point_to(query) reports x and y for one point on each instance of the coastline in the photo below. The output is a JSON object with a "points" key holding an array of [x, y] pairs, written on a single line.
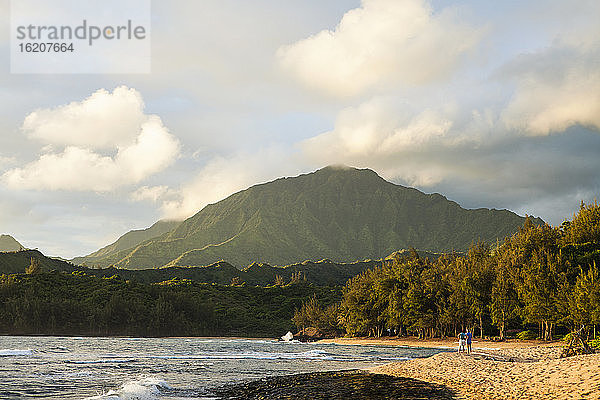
{"points": [[447, 343], [497, 370]]}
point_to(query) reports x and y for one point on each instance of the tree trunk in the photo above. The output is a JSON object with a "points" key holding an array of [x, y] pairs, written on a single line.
{"points": [[481, 325], [502, 325]]}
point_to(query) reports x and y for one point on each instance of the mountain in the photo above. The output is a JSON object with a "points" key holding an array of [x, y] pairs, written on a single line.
{"points": [[318, 273], [16, 262], [127, 241], [8, 243], [339, 213]]}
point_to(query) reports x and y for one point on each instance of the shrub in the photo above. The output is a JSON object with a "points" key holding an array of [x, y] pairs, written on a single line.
{"points": [[527, 335]]}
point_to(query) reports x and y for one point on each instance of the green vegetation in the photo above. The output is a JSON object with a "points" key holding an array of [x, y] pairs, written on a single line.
{"points": [[537, 280], [343, 214], [129, 240], [312, 314], [320, 273], [541, 277], [59, 303], [17, 261]]}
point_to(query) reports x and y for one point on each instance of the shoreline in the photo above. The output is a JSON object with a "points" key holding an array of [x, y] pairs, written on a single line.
{"points": [[447, 343], [524, 370]]}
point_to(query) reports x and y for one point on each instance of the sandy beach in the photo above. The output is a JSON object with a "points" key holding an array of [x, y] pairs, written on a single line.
{"points": [[499, 370]]}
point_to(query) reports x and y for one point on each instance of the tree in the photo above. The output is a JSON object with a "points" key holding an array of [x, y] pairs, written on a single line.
{"points": [[540, 289], [585, 227], [363, 308], [585, 304], [312, 314], [504, 304], [34, 267]]}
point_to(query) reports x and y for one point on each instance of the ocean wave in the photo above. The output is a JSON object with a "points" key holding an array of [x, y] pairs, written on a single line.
{"points": [[394, 358], [103, 361], [253, 355], [252, 341], [15, 353], [142, 389]]}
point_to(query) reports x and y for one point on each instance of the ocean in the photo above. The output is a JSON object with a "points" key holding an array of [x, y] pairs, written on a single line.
{"points": [[166, 368]]}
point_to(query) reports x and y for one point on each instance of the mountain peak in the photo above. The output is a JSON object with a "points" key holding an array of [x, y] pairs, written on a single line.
{"points": [[8, 243], [345, 169], [337, 212]]}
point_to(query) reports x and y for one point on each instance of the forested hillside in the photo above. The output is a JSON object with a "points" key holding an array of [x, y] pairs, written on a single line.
{"points": [[129, 240], [320, 273], [59, 303], [540, 278], [343, 214]]}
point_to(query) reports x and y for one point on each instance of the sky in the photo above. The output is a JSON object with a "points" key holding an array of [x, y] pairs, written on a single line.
{"points": [[492, 104]]}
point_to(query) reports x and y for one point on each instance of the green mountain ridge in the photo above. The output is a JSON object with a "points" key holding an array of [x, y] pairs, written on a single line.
{"points": [[15, 262], [319, 273], [342, 214], [8, 243], [127, 241]]}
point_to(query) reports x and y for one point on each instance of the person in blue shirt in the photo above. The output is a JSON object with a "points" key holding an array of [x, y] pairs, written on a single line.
{"points": [[469, 338], [462, 341]]}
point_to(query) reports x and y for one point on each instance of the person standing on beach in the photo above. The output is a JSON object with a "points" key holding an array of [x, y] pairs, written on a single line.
{"points": [[462, 341], [469, 339]]}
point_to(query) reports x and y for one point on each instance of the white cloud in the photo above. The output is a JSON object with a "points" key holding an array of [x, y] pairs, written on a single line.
{"points": [[150, 193], [6, 161], [101, 121], [556, 90], [144, 148], [389, 138], [383, 42], [223, 176], [379, 128]]}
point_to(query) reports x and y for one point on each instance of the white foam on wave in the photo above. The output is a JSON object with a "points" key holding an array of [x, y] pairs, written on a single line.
{"points": [[142, 389], [103, 361], [15, 352], [252, 355], [395, 358]]}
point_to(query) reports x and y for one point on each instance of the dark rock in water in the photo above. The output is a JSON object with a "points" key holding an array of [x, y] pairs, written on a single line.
{"points": [[310, 334], [343, 385]]}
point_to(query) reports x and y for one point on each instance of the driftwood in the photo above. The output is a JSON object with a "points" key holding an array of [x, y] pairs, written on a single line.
{"points": [[577, 345]]}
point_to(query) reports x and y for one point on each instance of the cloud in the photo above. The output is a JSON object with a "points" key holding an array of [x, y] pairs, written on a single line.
{"points": [[223, 176], [140, 145], [383, 42], [379, 130], [556, 89], [6, 161], [470, 157], [101, 121], [150, 193]]}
